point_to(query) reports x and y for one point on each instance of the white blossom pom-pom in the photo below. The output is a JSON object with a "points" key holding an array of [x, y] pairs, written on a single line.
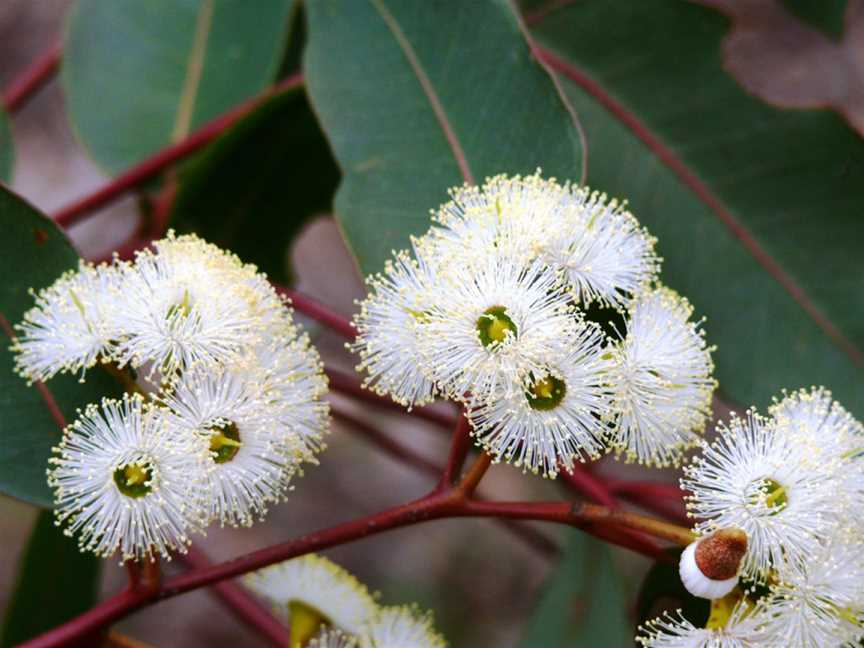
{"points": [[126, 481], [661, 380], [773, 485], [235, 420], [188, 303], [389, 334], [400, 627], [674, 631], [319, 584], [555, 418], [493, 325], [68, 328], [606, 255]]}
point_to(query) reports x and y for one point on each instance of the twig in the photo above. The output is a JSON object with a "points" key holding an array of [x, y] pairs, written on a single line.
{"points": [[31, 79], [319, 312], [152, 166], [459, 447]]}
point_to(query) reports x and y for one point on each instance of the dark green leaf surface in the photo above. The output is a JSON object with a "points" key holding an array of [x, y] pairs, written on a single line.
{"points": [[140, 75], [6, 154], [583, 604], [56, 582], [253, 189], [407, 75], [790, 182], [33, 253]]}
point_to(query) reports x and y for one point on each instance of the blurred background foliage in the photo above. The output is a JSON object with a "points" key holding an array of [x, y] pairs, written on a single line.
{"points": [[732, 128]]}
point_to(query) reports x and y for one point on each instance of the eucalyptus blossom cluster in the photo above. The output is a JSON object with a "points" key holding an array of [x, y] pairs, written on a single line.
{"points": [[327, 607], [537, 305], [226, 404], [789, 485]]}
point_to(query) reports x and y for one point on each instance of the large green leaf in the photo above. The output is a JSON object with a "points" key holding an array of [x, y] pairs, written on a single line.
{"points": [[33, 253], [56, 582], [421, 96], [5, 148], [757, 209], [139, 75], [583, 603], [254, 188]]}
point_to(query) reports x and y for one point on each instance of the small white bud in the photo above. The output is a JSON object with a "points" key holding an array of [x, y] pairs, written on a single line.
{"points": [[709, 567]]}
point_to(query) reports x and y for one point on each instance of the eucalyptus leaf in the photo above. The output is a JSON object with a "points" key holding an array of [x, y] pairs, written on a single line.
{"points": [[6, 151], [583, 603], [33, 254], [421, 97], [140, 75], [56, 582], [756, 207]]}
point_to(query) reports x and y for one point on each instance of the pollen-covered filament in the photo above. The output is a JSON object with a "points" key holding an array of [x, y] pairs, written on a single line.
{"points": [[224, 442], [181, 309], [133, 480], [546, 394], [494, 326]]}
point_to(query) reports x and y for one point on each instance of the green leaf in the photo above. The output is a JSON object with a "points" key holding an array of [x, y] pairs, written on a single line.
{"points": [[33, 253], [56, 582], [420, 94], [757, 209], [583, 603], [256, 186], [6, 154], [140, 75]]}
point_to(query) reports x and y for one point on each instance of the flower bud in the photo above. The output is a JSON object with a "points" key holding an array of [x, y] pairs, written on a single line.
{"points": [[709, 566]]}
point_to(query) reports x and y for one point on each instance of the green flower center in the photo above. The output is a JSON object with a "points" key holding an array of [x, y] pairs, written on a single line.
{"points": [[546, 394], [224, 443], [494, 326], [775, 494], [134, 480]]}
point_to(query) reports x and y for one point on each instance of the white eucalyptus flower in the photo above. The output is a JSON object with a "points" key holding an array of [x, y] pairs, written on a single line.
{"points": [[400, 627], [775, 486], [296, 380], [607, 256], [313, 587], [816, 416], [556, 417], [823, 606], [235, 419], [661, 380], [68, 329], [493, 325], [388, 340], [126, 481], [674, 631], [188, 303]]}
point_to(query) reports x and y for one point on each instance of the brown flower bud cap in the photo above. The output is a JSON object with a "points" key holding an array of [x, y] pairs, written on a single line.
{"points": [[719, 556]]}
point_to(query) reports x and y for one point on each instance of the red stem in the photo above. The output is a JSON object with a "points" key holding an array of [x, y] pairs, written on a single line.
{"points": [[31, 79], [319, 312], [347, 384], [584, 482], [663, 499], [436, 505], [404, 454], [152, 166], [239, 601], [459, 447]]}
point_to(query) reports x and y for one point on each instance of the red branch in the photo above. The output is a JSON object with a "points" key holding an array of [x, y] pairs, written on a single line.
{"points": [[459, 448], [404, 454], [436, 505], [152, 166], [31, 79], [319, 312], [236, 598]]}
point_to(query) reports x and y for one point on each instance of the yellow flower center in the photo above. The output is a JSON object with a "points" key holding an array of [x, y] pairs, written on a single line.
{"points": [[134, 480], [306, 622], [225, 443], [546, 394], [495, 326]]}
